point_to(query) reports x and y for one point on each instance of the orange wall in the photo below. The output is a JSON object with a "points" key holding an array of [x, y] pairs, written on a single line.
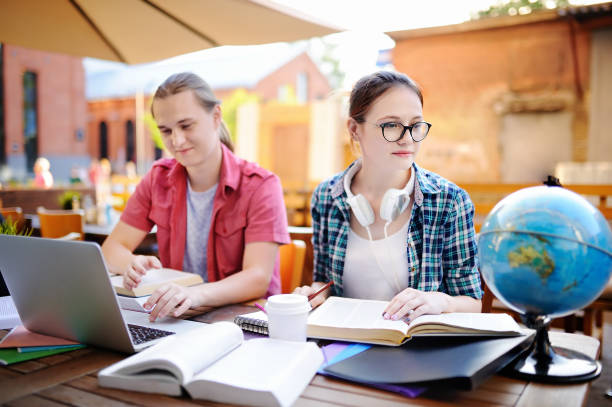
{"points": [[464, 74]]}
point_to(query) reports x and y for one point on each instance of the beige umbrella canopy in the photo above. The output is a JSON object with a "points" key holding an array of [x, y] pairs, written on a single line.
{"points": [[136, 31]]}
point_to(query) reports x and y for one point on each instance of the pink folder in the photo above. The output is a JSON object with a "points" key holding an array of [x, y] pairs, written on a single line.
{"points": [[21, 337]]}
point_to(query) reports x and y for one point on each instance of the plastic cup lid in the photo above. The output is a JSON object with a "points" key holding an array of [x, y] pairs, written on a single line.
{"points": [[288, 304]]}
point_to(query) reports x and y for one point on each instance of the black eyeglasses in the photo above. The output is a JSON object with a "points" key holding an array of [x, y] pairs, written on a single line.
{"points": [[395, 131]]}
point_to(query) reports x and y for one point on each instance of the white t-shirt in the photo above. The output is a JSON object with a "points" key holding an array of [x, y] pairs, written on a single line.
{"points": [[199, 214], [363, 277]]}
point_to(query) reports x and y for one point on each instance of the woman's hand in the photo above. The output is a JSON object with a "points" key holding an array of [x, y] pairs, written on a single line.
{"points": [[414, 303], [308, 290], [138, 268], [171, 299]]}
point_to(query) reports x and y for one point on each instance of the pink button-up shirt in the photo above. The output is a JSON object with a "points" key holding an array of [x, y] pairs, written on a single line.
{"points": [[248, 207]]}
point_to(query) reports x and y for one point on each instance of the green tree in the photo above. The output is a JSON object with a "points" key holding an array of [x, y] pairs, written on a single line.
{"points": [[325, 55], [11, 228], [154, 130], [514, 7]]}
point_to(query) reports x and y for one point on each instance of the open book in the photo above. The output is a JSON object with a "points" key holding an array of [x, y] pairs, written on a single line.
{"points": [[133, 303], [154, 279], [355, 320], [212, 362]]}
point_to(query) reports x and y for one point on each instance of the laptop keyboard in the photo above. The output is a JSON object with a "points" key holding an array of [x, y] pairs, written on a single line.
{"points": [[142, 334]]}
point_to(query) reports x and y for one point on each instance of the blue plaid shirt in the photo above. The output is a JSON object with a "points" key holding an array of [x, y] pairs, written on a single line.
{"points": [[441, 243]]}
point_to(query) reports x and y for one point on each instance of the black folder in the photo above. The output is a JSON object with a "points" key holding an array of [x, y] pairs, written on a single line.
{"points": [[458, 362]]}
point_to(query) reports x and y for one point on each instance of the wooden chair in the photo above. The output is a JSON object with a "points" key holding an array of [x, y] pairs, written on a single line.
{"points": [[61, 224], [593, 314], [487, 297], [14, 214], [305, 234], [292, 265]]}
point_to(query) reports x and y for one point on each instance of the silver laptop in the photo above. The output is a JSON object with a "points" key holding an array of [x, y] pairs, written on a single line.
{"points": [[62, 288]]}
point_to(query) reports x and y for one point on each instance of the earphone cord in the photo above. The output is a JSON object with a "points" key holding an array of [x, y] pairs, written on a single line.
{"points": [[369, 234]]}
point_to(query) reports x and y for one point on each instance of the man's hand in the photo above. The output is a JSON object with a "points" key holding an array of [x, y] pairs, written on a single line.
{"points": [[138, 268]]}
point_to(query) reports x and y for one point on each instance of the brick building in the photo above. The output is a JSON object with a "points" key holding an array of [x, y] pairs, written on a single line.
{"points": [[511, 97], [42, 111]]}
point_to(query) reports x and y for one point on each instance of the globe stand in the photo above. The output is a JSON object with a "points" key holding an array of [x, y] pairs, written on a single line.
{"points": [[544, 363]]}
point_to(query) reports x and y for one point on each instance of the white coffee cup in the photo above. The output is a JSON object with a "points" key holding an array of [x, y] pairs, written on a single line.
{"points": [[287, 315]]}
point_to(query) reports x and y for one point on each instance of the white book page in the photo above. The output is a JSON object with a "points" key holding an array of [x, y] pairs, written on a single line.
{"points": [[187, 353], [259, 364], [354, 313], [153, 276], [477, 321]]}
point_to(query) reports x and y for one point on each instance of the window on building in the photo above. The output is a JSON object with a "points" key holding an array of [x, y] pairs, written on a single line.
{"points": [[30, 118], [301, 87], [130, 142], [2, 136], [103, 139]]}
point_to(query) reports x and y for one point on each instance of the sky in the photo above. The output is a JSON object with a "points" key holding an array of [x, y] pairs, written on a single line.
{"points": [[365, 22], [388, 15]]}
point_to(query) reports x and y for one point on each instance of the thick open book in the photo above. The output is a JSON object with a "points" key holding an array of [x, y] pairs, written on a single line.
{"points": [[213, 362], [154, 279], [355, 320]]}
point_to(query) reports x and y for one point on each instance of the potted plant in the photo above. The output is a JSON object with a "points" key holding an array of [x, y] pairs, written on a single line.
{"points": [[70, 200], [8, 227]]}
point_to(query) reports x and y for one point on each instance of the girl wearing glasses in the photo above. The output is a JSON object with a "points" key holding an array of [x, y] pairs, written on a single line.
{"points": [[386, 228], [216, 214]]}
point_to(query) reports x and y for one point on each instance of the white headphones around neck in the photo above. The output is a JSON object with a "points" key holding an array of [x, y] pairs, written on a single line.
{"points": [[394, 201]]}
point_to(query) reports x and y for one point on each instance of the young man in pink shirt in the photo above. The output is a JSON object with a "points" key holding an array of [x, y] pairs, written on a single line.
{"points": [[217, 215]]}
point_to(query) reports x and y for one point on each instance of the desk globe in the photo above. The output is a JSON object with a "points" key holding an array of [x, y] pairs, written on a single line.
{"points": [[546, 252]]}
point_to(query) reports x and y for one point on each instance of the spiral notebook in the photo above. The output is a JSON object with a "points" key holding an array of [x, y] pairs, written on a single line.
{"points": [[253, 322], [355, 320]]}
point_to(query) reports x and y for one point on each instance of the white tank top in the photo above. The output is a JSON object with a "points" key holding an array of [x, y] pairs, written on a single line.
{"points": [[363, 277]]}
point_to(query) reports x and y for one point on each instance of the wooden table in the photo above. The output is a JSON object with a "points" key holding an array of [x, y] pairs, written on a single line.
{"points": [[70, 378]]}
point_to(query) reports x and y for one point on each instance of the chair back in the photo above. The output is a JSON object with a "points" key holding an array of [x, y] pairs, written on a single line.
{"points": [[487, 298], [59, 223], [292, 265], [15, 215]]}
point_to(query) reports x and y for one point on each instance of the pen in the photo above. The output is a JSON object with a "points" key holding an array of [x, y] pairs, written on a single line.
{"points": [[320, 290], [261, 308]]}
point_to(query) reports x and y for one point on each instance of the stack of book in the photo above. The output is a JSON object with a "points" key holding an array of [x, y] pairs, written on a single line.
{"points": [[20, 345]]}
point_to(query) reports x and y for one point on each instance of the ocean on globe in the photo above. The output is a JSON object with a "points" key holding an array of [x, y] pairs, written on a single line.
{"points": [[545, 251]]}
